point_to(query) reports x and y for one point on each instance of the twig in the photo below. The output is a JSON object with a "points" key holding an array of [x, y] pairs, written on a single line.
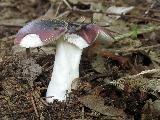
{"points": [[5, 4], [152, 10], [152, 71], [135, 49], [132, 80], [11, 25], [138, 32], [8, 38], [28, 52], [122, 15], [82, 113], [34, 106], [49, 68], [147, 72], [65, 1], [151, 6], [19, 112], [44, 102], [57, 11], [63, 14], [40, 49]]}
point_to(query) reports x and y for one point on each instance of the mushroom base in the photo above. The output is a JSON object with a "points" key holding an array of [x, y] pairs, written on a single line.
{"points": [[65, 70]]}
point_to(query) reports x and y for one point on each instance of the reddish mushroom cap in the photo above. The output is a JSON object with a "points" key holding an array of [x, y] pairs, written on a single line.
{"points": [[90, 32], [48, 30]]}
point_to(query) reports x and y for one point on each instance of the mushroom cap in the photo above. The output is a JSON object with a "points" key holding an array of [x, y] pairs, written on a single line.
{"points": [[92, 32], [51, 30], [47, 30]]}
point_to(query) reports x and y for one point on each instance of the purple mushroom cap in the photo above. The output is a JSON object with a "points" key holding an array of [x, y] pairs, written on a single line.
{"points": [[91, 32], [48, 30]]}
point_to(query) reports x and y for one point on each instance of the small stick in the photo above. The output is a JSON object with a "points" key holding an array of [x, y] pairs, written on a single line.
{"points": [[8, 38], [136, 49], [34, 106], [147, 72], [67, 4], [44, 102], [11, 25], [152, 10], [122, 15], [39, 48], [66, 13], [82, 114], [147, 11], [28, 52], [57, 11], [141, 31]]}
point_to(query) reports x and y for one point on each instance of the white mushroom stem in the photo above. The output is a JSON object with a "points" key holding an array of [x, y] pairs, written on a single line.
{"points": [[66, 68]]}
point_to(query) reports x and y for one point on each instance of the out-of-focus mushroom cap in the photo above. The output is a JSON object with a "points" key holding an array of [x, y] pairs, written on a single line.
{"points": [[47, 30]]}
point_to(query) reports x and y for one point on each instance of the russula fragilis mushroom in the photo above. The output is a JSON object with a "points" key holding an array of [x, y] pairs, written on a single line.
{"points": [[71, 39]]}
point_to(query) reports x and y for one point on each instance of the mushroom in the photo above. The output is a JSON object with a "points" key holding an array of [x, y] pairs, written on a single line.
{"points": [[71, 39]]}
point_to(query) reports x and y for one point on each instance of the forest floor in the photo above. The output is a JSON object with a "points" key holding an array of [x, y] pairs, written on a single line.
{"points": [[120, 81]]}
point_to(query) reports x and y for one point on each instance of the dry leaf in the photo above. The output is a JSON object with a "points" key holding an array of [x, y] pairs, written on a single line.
{"points": [[97, 104]]}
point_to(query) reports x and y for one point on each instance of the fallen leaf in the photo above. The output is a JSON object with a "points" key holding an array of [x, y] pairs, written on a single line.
{"points": [[119, 10], [123, 61], [97, 104]]}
